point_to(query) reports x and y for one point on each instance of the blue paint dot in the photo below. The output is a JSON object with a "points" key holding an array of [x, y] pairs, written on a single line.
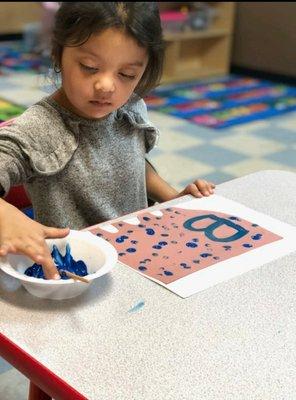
{"points": [[227, 247], [134, 241], [195, 240], [150, 231], [184, 265], [204, 255], [168, 273], [254, 225], [131, 250], [162, 243], [99, 234], [247, 245], [146, 218], [120, 239], [156, 247], [137, 307], [257, 237], [142, 268], [191, 244], [234, 218]]}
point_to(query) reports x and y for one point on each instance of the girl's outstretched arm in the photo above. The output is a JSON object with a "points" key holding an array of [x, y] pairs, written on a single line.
{"points": [[159, 190]]}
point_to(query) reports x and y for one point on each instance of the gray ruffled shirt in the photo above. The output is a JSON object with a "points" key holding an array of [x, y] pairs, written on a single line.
{"points": [[78, 172]]}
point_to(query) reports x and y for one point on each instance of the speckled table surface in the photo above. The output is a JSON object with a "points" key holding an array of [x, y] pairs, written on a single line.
{"points": [[235, 340]]}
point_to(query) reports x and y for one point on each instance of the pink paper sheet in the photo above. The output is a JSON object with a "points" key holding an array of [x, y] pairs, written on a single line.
{"points": [[183, 241]]}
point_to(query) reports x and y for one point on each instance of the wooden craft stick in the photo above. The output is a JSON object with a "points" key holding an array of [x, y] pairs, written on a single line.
{"points": [[74, 276]]}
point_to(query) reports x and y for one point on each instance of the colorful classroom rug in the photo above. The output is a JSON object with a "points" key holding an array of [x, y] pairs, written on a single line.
{"points": [[13, 57], [9, 110], [223, 102]]}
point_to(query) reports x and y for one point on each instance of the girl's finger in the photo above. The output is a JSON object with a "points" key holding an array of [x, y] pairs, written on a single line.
{"points": [[6, 248], [203, 187], [41, 255], [50, 232], [44, 258], [49, 268], [211, 187], [193, 189]]}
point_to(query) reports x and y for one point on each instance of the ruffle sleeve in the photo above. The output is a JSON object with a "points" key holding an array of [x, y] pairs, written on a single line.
{"points": [[135, 112], [40, 140]]}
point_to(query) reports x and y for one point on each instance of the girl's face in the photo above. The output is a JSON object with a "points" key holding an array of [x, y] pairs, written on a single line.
{"points": [[99, 76]]}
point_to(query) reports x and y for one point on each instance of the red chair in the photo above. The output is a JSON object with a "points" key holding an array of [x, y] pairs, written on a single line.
{"points": [[18, 197]]}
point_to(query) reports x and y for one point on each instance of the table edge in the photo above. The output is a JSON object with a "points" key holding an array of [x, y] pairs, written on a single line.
{"points": [[36, 372]]}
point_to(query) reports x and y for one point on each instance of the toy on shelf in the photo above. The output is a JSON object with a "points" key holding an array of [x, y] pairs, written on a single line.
{"points": [[194, 16]]}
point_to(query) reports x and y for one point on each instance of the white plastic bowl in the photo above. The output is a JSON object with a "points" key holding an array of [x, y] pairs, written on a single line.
{"points": [[98, 255]]}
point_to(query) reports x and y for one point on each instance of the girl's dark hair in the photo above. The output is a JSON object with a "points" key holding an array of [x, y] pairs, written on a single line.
{"points": [[76, 21]]}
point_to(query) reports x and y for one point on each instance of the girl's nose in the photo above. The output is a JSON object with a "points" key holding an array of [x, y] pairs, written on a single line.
{"points": [[104, 84]]}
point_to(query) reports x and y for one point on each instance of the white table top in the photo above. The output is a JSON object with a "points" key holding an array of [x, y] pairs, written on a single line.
{"points": [[236, 340]]}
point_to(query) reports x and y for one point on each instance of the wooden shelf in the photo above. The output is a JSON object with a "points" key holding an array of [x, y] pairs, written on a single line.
{"points": [[208, 33], [15, 15], [191, 74], [197, 54]]}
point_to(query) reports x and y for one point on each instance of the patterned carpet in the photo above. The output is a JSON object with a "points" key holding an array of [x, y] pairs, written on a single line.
{"points": [[223, 102], [185, 151]]}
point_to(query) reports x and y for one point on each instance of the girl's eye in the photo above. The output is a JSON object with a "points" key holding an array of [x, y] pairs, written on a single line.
{"points": [[131, 77], [87, 68]]}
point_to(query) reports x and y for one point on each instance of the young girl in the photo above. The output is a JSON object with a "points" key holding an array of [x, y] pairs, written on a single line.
{"points": [[81, 151]]}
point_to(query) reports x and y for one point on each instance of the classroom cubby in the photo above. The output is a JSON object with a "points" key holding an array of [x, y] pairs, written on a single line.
{"points": [[193, 54]]}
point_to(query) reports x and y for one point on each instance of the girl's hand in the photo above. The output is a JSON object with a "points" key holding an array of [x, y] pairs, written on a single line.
{"points": [[198, 188], [21, 235]]}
